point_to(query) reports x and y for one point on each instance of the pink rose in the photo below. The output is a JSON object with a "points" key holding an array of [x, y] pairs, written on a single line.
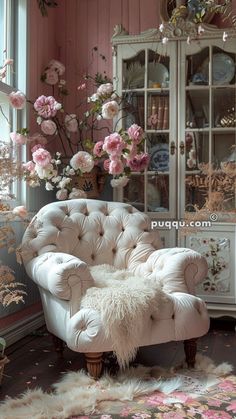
{"points": [[48, 127], [51, 76], [17, 100], [17, 138], [62, 194], [57, 66], [114, 144], [71, 122], [135, 132], [98, 148], [82, 161], [139, 162], [116, 167], [29, 165], [20, 211], [110, 109], [41, 157], [105, 89], [46, 106]]}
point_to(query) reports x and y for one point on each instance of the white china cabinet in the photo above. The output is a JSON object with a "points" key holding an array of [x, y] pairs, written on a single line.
{"points": [[183, 93]]}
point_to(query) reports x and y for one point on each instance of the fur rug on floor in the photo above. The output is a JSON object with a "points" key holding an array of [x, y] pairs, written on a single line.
{"points": [[78, 394], [124, 301]]}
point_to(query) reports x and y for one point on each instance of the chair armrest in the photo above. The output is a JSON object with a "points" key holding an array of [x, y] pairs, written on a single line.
{"points": [[178, 269], [59, 273]]}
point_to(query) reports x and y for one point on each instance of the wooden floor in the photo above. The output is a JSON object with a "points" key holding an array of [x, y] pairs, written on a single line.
{"points": [[33, 362]]}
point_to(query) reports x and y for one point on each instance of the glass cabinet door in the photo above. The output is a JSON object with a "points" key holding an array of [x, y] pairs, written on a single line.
{"points": [[207, 132], [148, 86]]}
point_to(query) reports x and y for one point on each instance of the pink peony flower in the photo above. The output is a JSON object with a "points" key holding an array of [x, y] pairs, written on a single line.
{"points": [[17, 138], [110, 109], [105, 89], [41, 157], [17, 100], [114, 144], [116, 167], [135, 132], [98, 148], [139, 162], [57, 66], [46, 106], [82, 161], [48, 127], [62, 194], [20, 211], [45, 172], [29, 165], [71, 122], [51, 76]]}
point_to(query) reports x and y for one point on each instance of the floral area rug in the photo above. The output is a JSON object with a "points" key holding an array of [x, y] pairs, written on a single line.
{"points": [[208, 391]]}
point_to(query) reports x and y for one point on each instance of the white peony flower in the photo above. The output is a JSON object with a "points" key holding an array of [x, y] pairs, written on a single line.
{"points": [[110, 109]]}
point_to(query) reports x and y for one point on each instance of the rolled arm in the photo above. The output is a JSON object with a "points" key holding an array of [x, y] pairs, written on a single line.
{"points": [[59, 273], [178, 269]]}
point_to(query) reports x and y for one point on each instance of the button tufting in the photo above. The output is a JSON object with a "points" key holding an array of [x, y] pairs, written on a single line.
{"points": [[134, 246], [173, 316], [101, 233], [123, 229], [114, 250], [92, 256]]}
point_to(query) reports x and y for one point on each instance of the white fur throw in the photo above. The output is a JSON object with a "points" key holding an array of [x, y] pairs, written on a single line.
{"points": [[125, 302]]}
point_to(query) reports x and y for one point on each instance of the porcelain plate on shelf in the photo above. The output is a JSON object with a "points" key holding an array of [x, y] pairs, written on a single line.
{"points": [[157, 73], [223, 68]]}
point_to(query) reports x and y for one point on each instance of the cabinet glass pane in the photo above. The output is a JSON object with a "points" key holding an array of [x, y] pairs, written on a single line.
{"points": [[158, 172], [223, 114], [223, 67], [133, 109], [134, 71], [158, 111], [196, 180], [197, 68], [158, 70], [134, 191], [197, 108]]}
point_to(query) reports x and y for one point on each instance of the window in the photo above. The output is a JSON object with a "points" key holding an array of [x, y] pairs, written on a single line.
{"points": [[13, 27]]}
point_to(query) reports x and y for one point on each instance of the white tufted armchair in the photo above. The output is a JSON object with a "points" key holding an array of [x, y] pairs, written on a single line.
{"points": [[64, 238]]}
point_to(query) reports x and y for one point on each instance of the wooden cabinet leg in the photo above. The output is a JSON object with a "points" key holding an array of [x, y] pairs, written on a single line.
{"points": [[190, 349], [94, 363], [58, 345]]}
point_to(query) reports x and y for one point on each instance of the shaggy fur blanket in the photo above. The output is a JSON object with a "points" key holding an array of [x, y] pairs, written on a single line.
{"points": [[78, 394], [125, 302]]}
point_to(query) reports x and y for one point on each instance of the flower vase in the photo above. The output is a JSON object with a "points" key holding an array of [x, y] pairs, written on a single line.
{"points": [[91, 183], [3, 361]]}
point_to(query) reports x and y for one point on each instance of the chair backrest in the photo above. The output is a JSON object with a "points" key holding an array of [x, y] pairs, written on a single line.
{"points": [[95, 231]]}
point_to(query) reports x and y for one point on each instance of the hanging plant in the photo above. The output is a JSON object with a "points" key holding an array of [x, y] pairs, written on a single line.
{"points": [[43, 4]]}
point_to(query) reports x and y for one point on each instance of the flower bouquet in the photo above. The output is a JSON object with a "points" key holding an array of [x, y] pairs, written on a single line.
{"points": [[117, 153]]}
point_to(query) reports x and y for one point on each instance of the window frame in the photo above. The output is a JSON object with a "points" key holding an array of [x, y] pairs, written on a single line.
{"points": [[16, 14]]}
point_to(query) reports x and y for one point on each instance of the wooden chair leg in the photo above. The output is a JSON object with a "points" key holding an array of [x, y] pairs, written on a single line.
{"points": [[58, 345], [190, 349], [94, 363]]}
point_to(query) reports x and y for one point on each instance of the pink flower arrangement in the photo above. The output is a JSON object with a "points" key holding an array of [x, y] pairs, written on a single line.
{"points": [[118, 153]]}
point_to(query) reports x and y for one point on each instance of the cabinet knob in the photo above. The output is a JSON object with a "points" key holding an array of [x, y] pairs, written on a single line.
{"points": [[172, 148], [181, 147]]}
